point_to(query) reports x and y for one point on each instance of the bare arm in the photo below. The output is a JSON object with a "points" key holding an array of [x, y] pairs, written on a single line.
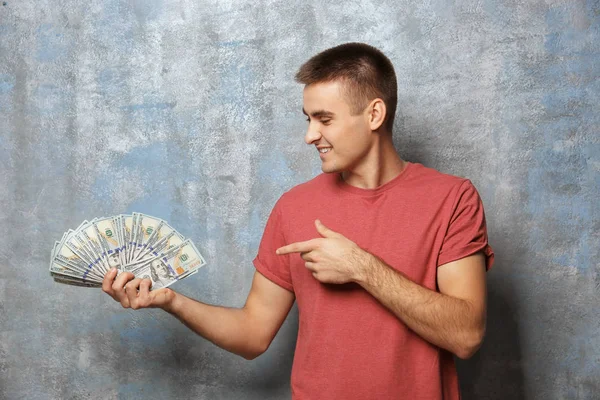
{"points": [[453, 319], [246, 331]]}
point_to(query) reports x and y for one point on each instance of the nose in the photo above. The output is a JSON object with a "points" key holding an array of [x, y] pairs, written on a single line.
{"points": [[312, 133]]}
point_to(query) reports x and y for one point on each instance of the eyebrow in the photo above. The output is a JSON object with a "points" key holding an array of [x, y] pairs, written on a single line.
{"points": [[319, 113]]}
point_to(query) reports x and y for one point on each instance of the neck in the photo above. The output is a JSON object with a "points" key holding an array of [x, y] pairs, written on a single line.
{"points": [[380, 165]]}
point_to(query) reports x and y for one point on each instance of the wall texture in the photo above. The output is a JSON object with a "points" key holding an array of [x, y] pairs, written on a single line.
{"points": [[187, 110]]}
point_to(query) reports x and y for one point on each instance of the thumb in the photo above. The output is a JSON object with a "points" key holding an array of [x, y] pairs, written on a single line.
{"points": [[323, 230]]}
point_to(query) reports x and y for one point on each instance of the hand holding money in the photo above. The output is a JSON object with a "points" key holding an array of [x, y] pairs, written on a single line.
{"points": [[139, 247], [134, 292]]}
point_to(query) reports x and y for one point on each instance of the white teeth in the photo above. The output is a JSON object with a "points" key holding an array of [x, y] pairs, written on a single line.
{"points": [[324, 150]]}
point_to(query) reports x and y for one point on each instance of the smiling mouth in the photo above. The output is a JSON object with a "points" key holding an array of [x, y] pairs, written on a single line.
{"points": [[325, 150]]}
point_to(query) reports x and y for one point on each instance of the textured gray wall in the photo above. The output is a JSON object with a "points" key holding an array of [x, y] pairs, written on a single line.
{"points": [[187, 110]]}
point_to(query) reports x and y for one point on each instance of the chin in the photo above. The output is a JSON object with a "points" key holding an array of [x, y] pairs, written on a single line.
{"points": [[330, 169]]}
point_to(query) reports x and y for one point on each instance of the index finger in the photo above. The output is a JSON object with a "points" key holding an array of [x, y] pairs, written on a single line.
{"points": [[122, 279], [298, 247], [107, 282]]}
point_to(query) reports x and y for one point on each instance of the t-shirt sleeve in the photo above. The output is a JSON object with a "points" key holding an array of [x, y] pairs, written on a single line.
{"points": [[274, 267], [467, 231]]}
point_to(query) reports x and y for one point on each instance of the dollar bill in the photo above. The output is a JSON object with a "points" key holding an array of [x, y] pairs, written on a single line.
{"points": [[176, 263], [139, 243]]}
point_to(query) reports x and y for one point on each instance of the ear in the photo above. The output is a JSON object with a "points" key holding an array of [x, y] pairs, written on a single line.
{"points": [[377, 112]]}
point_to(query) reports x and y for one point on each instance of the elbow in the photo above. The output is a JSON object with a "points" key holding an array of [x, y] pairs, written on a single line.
{"points": [[250, 356], [465, 352], [471, 343], [254, 351]]}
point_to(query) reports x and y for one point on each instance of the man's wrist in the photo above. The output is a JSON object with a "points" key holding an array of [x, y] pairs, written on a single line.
{"points": [[367, 265], [173, 303]]}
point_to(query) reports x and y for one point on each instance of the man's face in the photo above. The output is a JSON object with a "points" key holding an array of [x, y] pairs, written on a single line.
{"points": [[114, 261], [160, 268], [333, 128]]}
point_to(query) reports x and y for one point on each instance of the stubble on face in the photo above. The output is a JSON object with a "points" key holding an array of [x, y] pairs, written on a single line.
{"points": [[344, 132]]}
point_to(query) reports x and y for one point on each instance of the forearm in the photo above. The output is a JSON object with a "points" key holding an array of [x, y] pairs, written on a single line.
{"points": [[228, 328], [447, 322]]}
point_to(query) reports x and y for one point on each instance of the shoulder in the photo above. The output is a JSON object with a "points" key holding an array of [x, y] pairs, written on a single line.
{"points": [[430, 176], [306, 192], [436, 183]]}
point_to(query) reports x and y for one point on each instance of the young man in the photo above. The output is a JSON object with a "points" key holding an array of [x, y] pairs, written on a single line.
{"points": [[386, 258]]}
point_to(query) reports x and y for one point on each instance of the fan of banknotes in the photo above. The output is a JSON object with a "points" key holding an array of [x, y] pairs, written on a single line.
{"points": [[146, 246]]}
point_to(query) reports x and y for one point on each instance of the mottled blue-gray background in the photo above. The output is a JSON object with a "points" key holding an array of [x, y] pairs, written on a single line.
{"points": [[187, 110]]}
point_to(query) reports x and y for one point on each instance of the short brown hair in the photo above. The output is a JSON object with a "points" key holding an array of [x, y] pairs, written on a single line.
{"points": [[365, 71]]}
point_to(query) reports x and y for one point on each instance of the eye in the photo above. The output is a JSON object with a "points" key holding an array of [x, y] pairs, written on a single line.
{"points": [[325, 121]]}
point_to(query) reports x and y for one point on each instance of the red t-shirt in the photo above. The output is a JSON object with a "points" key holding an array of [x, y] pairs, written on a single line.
{"points": [[349, 345]]}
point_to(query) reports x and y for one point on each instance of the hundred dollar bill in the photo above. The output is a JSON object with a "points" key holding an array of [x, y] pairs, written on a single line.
{"points": [[119, 228], [67, 258], [107, 234], [166, 237], [75, 282], [92, 242], [75, 256], [78, 245], [58, 271], [127, 223], [163, 247], [177, 263], [134, 235], [159, 232], [138, 243], [65, 262], [147, 226]]}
